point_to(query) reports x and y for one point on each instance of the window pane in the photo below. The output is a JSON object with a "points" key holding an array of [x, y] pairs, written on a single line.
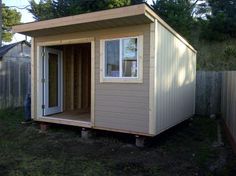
{"points": [[53, 79], [112, 55], [129, 57]]}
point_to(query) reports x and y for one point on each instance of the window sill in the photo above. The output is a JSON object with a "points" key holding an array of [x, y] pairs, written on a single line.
{"points": [[121, 80]]}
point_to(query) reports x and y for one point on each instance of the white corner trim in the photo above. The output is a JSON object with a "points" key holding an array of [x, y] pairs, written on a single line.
{"points": [[152, 76]]}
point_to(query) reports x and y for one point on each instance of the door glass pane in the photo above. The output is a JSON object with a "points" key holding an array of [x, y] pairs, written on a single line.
{"points": [[53, 79], [112, 55], [129, 57]]}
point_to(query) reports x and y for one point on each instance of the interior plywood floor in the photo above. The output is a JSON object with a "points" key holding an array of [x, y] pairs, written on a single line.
{"points": [[73, 115]]}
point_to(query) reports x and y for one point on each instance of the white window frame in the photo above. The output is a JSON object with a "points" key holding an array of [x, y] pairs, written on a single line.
{"points": [[120, 79]]}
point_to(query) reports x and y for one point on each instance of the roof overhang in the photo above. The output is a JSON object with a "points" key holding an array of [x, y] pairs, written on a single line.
{"points": [[117, 17], [124, 16]]}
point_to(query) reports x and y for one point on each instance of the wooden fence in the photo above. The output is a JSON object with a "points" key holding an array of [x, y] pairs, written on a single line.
{"points": [[208, 92], [216, 94], [14, 82], [229, 102]]}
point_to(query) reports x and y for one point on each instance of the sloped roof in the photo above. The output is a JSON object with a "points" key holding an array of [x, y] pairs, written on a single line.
{"points": [[122, 16], [110, 18], [4, 49]]}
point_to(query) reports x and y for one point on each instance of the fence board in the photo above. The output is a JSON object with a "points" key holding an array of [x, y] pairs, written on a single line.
{"points": [[208, 92], [14, 82]]}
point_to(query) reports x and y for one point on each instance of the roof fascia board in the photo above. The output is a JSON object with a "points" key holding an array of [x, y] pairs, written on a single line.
{"points": [[82, 18]]}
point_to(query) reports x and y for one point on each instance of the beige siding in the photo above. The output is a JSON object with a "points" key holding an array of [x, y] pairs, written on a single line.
{"points": [[169, 81], [118, 106], [175, 80], [229, 101], [124, 106], [163, 97]]}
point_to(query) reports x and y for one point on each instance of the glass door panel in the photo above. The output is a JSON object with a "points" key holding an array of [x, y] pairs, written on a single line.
{"points": [[53, 81]]}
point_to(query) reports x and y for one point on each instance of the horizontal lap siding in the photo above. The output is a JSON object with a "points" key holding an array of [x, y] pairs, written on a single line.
{"points": [[118, 106], [123, 106], [175, 89]]}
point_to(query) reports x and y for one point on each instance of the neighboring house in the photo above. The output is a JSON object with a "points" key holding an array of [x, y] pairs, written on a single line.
{"points": [[14, 74], [121, 69]]}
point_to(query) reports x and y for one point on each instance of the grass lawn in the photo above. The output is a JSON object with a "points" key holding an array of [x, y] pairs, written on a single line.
{"points": [[184, 150]]}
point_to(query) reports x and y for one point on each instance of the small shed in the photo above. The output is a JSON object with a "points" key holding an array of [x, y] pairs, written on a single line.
{"points": [[14, 74], [122, 69]]}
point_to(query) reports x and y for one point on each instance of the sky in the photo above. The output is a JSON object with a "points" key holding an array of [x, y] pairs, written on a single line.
{"points": [[26, 16]]}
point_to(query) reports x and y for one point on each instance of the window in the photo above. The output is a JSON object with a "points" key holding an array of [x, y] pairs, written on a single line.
{"points": [[122, 60], [112, 58], [129, 57]]}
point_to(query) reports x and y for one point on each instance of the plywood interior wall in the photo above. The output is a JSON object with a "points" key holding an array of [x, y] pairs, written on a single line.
{"points": [[77, 77]]}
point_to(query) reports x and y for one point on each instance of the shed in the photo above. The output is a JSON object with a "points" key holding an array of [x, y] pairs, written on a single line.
{"points": [[14, 74], [122, 69]]}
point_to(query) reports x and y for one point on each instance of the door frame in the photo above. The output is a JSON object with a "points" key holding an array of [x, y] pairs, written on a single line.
{"points": [[45, 73], [39, 98]]}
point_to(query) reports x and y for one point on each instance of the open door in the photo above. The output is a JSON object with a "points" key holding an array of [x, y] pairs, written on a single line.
{"points": [[53, 77]]}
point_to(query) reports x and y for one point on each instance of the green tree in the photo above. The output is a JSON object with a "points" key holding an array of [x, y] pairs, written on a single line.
{"points": [[42, 10], [221, 23], [48, 9], [10, 18], [177, 13]]}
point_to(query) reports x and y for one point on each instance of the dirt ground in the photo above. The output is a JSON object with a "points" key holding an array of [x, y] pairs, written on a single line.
{"points": [[187, 149]]}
